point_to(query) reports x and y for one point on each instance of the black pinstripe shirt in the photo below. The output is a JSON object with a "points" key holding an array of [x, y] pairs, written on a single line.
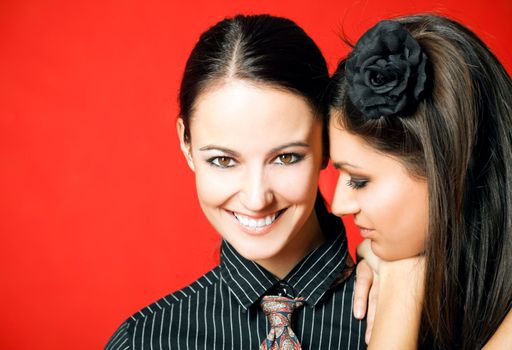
{"points": [[220, 311]]}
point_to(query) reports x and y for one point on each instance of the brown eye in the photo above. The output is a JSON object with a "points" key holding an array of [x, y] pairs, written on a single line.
{"points": [[288, 158], [222, 162]]}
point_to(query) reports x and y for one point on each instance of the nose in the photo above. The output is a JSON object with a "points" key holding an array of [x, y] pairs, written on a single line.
{"points": [[256, 193], [344, 201]]}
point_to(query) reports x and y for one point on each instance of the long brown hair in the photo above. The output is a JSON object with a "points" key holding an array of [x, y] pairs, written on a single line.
{"points": [[460, 139]]}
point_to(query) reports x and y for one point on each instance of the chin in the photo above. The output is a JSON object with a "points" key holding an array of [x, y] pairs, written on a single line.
{"points": [[389, 253], [385, 253]]}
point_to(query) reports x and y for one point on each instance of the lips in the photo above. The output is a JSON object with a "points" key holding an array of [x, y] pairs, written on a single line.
{"points": [[364, 231], [257, 223]]}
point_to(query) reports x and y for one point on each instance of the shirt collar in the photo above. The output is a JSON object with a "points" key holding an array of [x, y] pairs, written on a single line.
{"points": [[310, 278], [246, 280], [320, 269]]}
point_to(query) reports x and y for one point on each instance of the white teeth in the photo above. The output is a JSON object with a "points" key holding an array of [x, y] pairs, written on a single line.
{"points": [[255, 223]]}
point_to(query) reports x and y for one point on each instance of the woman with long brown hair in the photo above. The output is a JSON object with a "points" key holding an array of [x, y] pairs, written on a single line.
{"points": [[421, 132]]}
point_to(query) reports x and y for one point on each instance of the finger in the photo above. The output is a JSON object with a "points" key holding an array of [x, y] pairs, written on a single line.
{"points": [[368, 334], [364, 280], [372, 308], [364, 250]]}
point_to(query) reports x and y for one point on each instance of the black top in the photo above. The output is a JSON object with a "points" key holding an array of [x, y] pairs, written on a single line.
{"points": [[220, 311]]}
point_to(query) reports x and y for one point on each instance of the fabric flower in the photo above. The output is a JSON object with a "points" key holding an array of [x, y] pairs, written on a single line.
{"points": [[386, 71]]}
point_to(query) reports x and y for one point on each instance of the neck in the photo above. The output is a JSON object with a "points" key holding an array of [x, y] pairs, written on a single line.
{"points": [[307, 239]]}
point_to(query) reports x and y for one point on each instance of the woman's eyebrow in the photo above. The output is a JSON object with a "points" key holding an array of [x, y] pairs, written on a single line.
{"points": [[342, 165], [219, 148], [236, 154], [290, 144]]}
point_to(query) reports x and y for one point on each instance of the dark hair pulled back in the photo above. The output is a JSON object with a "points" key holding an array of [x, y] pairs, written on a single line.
{"points": [[263, 49]]}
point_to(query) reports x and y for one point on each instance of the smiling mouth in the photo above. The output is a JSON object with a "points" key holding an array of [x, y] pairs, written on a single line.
{"points": [[257, 224]]}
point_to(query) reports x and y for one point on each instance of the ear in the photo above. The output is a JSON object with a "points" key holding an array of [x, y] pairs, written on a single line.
{"points": [[184, 143]]}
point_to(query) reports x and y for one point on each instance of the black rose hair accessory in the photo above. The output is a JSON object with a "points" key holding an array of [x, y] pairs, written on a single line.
{"points": [[386, 71]]}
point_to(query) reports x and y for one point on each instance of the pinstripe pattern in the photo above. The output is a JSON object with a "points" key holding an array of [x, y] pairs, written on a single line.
{"points": [[220, 310]]}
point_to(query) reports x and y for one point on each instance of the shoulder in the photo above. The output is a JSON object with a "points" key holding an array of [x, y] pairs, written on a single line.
{"points": [[189, 292], [166, 305]]}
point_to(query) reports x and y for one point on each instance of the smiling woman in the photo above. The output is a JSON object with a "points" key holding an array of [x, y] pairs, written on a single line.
{"points": [[252, 129], [258, 195]]}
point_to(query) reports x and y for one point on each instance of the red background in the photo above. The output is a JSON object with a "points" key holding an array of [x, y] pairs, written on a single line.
{"points": [[98, 214]]}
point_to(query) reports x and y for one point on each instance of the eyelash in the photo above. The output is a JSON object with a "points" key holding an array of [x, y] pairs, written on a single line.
{"points": [[214, 161], [295, 158], [357, 183]]}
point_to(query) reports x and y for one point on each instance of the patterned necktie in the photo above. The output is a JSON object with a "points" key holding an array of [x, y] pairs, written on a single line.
{"points": [[279, 313]]}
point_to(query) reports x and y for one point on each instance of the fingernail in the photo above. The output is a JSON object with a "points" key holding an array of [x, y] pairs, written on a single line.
{"points": [[367, 338], [358, 311]]}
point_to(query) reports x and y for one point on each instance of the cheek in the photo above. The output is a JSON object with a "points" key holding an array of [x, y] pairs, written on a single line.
{"points": [[382, 206], [416, 215], [214, 187], [401, 218], [412, 202], [298, 184]]}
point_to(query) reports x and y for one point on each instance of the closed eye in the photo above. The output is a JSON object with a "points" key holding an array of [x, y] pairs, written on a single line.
{"points": [[357, 183]]}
